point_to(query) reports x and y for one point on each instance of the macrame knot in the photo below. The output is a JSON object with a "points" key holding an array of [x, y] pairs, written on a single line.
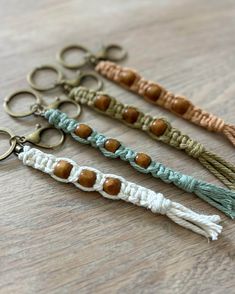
{"points": [[117, 110], [166, 99], [108, 69], [157, 203], [127, 154], [80, 94], [146, 121], [60, 120], [193, 148], [142, 85], [183, 142], [188, 183], [97, 140], [212, 123]]}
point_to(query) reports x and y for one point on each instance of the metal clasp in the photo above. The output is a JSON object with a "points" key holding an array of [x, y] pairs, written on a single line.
{"points": [[17, 142], [39, 106], [36, 137], [88, 57], [66, 84]]}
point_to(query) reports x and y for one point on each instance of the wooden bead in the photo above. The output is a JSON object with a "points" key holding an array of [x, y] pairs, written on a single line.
{"points": [[112, 186], [102, 102], [127, 77], [87, 178], [180, 105], [83, 131], [130, 115], [153, 92], [62, 169], [143, 160], [112, 145], [158, 127]]}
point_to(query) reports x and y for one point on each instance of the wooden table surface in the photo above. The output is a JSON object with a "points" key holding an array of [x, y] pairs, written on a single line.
{"points": [[57, 239]]}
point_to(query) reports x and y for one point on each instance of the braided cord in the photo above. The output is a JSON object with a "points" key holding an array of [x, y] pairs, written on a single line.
{"points": [[201, 224], [157, 94], [218, 197], [223, 170]]}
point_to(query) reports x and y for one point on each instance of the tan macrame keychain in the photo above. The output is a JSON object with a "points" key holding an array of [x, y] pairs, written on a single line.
{"points": [[157, 127], [153, 92]]}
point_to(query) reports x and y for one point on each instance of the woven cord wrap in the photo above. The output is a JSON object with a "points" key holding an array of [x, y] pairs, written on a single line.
{"points": [[201, 224], [222, 199], [166, 99], [223, 170]]}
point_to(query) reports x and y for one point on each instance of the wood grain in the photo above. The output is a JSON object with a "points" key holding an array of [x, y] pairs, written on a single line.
{"points": [[54, 239]]}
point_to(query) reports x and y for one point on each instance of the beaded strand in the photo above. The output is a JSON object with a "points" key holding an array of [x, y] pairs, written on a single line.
{"points": [[158, 95], [222, 199], [117, 188], [158, 128]]}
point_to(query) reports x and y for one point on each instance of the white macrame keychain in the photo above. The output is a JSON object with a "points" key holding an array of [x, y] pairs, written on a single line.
{"points": [[115, 187]]}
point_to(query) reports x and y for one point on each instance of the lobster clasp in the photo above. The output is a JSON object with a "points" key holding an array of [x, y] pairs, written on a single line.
{"points": [[35, 137], [58, 103], [60, 81], [112, 52], [79, 80], [39, 106]]}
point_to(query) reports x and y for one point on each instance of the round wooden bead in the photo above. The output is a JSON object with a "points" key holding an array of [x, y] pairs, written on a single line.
{"points": [[62, 169], [153, 92], [83, 131], [127, 77], [180, 105], [130, 115], [87, 178], [102, 102], [143, 160], [112, 145], [112, 186], [158, 127]]}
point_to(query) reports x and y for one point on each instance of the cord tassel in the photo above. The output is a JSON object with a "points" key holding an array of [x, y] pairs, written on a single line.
{"points": [[229, 132], [156, 94], [159, 129], [222, 199], [224, 171], [204, 225]]}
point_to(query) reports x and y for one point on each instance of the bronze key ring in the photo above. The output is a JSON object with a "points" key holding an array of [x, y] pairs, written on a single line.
{"points": [[7, 100], [105, 53], [33, 73], [61, 81], [12, 141], [38, 106]]}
